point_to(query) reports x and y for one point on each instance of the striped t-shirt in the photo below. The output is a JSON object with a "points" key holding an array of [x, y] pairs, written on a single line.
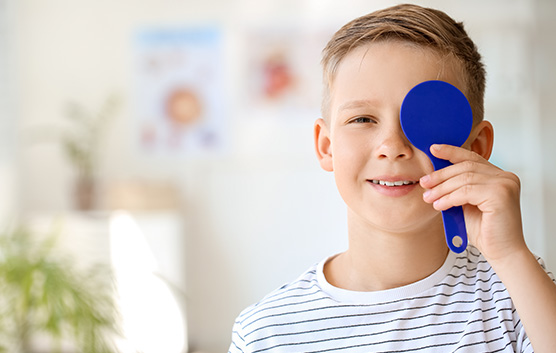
{"points": [[462, 307]]}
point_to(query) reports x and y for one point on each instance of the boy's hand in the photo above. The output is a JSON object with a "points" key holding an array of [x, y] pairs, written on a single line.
{"points": [[489, 196], [490, 200]]}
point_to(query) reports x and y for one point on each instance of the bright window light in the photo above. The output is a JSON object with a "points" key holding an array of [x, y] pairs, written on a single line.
{"points": [[152, 321]]}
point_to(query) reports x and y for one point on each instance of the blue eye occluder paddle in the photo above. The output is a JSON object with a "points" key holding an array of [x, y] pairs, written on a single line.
{"points": [[435, 112]]}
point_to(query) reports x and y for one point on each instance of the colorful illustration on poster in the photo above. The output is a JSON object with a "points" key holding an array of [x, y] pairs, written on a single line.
{"points": [[178, 91]]}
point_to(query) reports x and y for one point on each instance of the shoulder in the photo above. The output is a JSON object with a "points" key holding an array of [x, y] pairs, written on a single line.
{"points": [[472, 284], [292, 293], [282, 304]]}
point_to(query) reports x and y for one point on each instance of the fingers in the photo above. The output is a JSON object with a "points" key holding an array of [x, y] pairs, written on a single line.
{"points": [[471, 180], [455, 191], [455, 154], [473, 189], [463, 160], [483, 191]]}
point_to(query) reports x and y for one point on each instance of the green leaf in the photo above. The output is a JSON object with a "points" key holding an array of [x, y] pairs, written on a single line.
{"points": [[46, 293]]}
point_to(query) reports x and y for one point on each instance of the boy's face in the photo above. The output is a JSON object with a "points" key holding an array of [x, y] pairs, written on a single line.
{"points": [[363, 142]]}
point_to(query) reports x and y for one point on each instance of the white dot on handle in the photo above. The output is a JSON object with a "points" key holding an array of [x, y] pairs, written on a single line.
{"points": [[457, 241]]}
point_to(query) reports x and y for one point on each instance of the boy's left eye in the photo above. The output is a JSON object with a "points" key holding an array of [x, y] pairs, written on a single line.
{"points": [[362, 119]]}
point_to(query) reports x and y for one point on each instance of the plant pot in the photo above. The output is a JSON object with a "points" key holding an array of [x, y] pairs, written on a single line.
{"points": [[85, 194]]}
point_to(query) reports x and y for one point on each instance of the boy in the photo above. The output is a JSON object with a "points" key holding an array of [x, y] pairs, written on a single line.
{"points": [[398, 288]]}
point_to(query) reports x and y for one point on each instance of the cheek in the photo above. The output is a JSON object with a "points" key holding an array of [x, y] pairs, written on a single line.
{"points": [[349, 154], [350, 160]]}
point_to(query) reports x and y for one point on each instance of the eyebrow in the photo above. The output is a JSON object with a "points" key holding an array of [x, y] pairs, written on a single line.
{"points": [[355, 104]]}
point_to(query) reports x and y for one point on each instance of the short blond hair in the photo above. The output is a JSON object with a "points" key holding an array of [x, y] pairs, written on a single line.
{"points": [[424, 27]]}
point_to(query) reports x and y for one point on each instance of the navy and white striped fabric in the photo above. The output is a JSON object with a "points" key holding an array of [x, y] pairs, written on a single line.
{"points": [[462, 307]]}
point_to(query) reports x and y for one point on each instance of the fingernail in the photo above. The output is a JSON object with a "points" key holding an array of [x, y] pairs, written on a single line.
{"points": [[435, 147], [425, 179], [426, 194]]}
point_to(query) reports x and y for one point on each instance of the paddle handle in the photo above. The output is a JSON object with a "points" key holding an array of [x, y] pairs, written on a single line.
{"points": [[454, 220], [454, 229]]}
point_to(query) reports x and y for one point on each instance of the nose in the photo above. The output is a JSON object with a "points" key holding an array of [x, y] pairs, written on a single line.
{"points": [[394, 145]]}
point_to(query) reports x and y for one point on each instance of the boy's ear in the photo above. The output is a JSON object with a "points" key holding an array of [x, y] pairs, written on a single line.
{"points": [[483, 140], [323, 145]]}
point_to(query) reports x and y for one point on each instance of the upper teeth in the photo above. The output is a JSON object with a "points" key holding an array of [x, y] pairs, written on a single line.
{"points": [[392, 183]]}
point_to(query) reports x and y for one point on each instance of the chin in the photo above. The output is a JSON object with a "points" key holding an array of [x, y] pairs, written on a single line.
{"points": [[403, 222]]}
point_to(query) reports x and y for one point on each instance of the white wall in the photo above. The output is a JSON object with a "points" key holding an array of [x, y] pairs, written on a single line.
{"points": [[262, 212], [545, 77], [8, 184]]}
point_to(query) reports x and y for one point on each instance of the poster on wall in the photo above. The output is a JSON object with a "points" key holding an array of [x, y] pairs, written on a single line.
{"points": [[283, 75], [178, 89]]}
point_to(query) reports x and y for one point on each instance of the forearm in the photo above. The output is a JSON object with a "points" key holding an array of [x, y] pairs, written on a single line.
{"points": [[534, 296]]}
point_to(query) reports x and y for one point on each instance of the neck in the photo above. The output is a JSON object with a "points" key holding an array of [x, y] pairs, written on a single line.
{"points": [[379, 259]]}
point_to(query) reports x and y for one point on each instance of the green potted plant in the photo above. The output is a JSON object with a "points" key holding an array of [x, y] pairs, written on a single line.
{"points": [[81, 142], [43, 293]]}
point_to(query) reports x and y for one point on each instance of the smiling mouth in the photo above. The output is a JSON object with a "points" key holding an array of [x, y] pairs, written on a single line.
{"points": [[393, 183]]}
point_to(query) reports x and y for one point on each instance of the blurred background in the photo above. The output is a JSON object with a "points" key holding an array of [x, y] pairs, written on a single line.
{"points": [[172, 139]]}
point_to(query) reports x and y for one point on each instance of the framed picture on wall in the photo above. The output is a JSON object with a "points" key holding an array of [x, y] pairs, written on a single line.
{"points": [[282, 75], [178, 85]]}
